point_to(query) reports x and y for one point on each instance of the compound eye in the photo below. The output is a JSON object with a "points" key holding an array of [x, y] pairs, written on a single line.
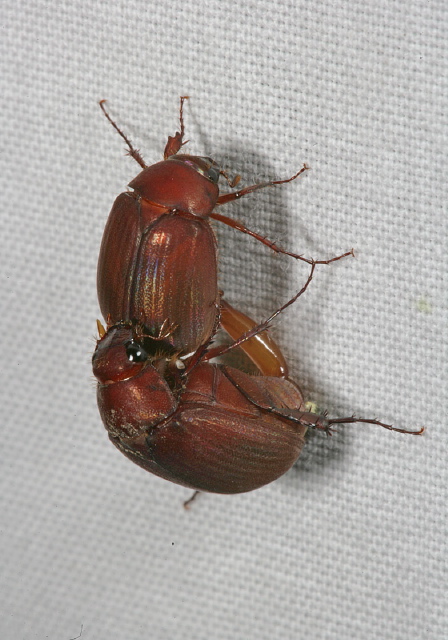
{"points": [[207, 167], [135, 352], [213, 174]]}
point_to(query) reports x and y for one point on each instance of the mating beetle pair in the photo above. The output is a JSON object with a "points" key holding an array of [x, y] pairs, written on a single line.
{"points": [[206, 426]]}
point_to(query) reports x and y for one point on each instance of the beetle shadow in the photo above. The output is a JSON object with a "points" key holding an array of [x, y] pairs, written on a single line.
{"points": [[319, 451], [257, 281], [247, 265]]}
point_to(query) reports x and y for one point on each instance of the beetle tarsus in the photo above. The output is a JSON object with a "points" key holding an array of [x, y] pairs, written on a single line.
{"points": [[268, 243], [375, 421]]}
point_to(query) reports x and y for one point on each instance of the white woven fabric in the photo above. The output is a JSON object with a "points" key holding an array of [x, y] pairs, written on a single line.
{"points": [[351, 544]]}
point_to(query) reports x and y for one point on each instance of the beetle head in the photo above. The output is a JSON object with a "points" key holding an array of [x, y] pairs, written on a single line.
{"points": [[118, 356], [132, 394]]}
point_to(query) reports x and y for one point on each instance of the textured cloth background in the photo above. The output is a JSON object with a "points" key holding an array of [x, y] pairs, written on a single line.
{"points": [[351, 543]]}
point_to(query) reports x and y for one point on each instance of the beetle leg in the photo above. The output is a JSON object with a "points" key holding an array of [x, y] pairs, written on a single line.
{"points": [[326, 423], [188, 502], [166, 330], [311, 420], [240, 227], [230, 197], [257, 329], [134, 153], [175, 142]]}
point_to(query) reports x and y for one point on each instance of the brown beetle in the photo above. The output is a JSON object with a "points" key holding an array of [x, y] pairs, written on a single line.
{"points": [[158, 260], [209, 427], [204, 434]]}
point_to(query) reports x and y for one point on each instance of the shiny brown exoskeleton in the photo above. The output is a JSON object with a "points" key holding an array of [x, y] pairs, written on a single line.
{"points": [[201, 432], [165, 406], [209, 427], [158, 260], [198, 424]]}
